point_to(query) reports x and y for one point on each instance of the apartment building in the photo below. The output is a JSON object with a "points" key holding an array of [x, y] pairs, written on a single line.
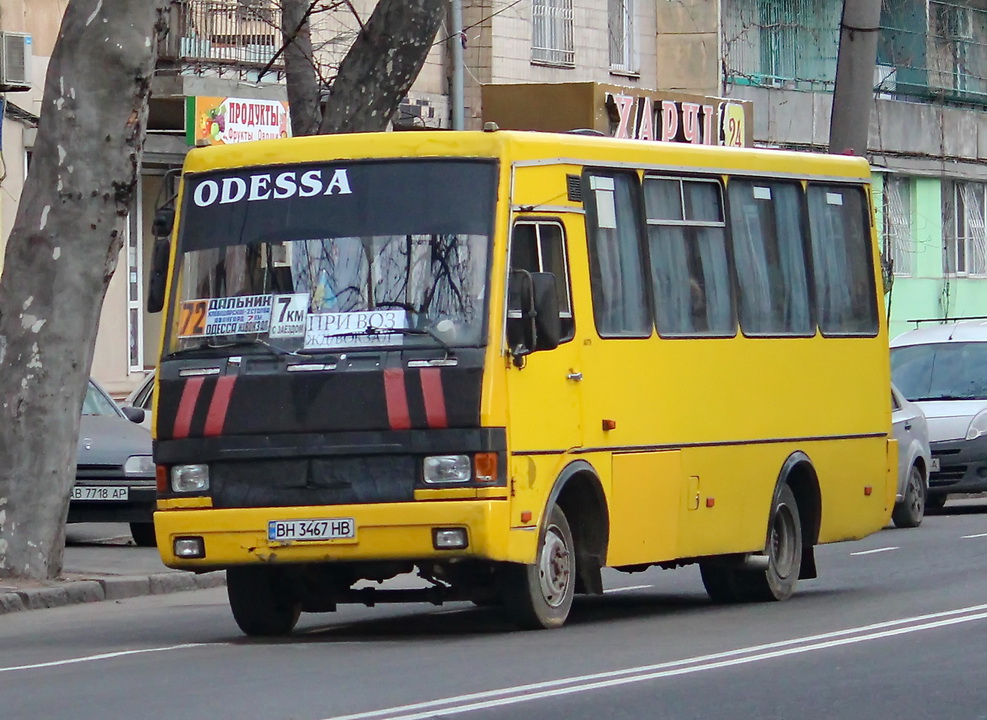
{"points": [[628, 67]]}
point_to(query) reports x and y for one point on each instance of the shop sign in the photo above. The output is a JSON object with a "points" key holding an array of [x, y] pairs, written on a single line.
{"points": [[716, 122], [224, 121]]}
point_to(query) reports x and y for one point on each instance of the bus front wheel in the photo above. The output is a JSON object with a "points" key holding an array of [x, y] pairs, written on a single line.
{"points": [[539, 596], [731, 583], [260, 602]]}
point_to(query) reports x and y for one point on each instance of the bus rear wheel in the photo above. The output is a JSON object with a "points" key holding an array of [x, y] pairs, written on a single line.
{"points": [[729, 583], [261, 602], [540, 596]]}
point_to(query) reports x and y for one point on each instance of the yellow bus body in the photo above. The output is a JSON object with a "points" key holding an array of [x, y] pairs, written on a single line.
{"points": [[699, 429]]}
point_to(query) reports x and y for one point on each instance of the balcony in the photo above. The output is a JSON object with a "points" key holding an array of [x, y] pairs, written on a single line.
{"points": [[222, 37]]}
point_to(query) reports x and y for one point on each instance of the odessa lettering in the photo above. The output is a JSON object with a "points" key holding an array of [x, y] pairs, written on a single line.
{"points": [[268, 186]]}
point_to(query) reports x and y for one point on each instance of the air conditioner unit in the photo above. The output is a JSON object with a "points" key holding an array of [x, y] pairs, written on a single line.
{"points": [[15, 61]]}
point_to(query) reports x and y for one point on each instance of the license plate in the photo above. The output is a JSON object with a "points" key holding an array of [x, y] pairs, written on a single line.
{"points": [[108, 494], [934, 464], [313, 529]]}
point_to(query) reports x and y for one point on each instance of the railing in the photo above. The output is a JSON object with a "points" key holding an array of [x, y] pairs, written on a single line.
{"points": [[223, 32], [927, 49]]}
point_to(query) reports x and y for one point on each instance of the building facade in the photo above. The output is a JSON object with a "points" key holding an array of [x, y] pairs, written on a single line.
{"points": [[773, 60]]}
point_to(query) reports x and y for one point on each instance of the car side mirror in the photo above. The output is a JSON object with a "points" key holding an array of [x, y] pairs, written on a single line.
{"points": [[533, 321], [134, 414]]}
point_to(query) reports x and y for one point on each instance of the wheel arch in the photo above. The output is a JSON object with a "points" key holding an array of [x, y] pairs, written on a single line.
{"points": [[799, 474], [578, 492]]}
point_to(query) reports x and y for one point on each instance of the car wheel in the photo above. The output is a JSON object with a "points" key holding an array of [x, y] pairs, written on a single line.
{"points": [[935, 503], [143, 534], [910, 511], [726, 582], [540, 596], [261, 602]]}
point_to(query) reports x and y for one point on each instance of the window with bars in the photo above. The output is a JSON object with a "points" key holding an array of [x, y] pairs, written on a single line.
{"points": [[964, 237], [899, 248], [551, 32], [623, 46]]}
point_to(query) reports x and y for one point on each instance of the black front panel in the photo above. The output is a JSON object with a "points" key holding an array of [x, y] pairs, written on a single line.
{"points": [[319, 481], [259, 395]]}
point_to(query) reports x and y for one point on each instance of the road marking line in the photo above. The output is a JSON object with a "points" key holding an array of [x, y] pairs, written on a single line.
{"points": [[978, 535], [551, 688], [878, 550], [610, 591], [109, 656]]}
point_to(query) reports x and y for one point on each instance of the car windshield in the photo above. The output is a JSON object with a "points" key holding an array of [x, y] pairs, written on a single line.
{"points": [[96, 403], [942, 371], [312, 258]]}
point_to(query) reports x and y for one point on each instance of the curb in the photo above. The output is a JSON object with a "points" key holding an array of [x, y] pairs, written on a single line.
{"points": [[97, 589]]}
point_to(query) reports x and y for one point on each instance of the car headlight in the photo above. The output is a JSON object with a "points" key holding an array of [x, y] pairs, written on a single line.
{"points": [[978, 426], [142, 465], [447, 469], [190, 478]]}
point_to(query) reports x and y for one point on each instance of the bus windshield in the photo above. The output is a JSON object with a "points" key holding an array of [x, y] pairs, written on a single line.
{"points": [[334, 257]]}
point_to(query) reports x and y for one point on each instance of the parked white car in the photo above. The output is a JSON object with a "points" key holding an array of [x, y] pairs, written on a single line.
{"points": [[943, 369], [912, 433], [142, 397]]}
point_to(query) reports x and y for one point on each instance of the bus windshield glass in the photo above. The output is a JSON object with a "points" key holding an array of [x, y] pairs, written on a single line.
{"points": [[333, 257]]}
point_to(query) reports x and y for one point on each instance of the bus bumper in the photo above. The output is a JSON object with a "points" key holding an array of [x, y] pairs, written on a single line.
{"points": [[394, 531]]}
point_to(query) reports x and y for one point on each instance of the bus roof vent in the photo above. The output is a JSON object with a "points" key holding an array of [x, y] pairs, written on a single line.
{"points": [[574, 187]]}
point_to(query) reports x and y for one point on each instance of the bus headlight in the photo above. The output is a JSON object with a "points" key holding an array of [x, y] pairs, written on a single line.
{"points": [[440, 469], [190, 478]]}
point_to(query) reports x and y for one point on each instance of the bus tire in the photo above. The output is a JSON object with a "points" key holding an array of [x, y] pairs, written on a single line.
{"points": [[143, 534], [260, 603], [540, 596], [730, 583]]}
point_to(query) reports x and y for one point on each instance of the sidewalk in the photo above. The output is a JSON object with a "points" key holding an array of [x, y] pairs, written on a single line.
{"points": [[101, 563]]}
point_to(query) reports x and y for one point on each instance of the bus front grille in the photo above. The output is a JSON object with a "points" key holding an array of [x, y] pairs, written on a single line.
{"points": [[313, 481]]}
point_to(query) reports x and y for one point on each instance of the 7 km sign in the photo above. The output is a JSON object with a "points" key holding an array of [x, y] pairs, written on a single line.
{"points": [[288, 313]]}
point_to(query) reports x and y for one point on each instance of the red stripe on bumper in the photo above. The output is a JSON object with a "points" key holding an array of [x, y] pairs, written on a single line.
{"points": [[183, 419], [219, 405], [435, 401], [397, 400]]}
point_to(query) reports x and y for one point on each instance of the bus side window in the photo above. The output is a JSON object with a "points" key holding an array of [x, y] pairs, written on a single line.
{"points": [[839, 228], [540, 247], [690, 272]]}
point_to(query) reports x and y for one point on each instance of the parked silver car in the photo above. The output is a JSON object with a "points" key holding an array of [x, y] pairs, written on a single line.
{"points": [[912, 433], [943, 369], [114, 478]]}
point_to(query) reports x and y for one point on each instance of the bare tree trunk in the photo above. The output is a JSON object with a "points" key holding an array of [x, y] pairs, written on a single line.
{"points": [[383, 63], [304, 92], [61, 254]]}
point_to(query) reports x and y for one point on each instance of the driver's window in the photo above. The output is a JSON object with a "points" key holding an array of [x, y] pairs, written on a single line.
{"points": [[540, 247]]}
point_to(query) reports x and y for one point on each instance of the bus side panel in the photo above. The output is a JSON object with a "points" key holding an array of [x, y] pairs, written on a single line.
{"points": [[647, 492], [854, 498]]}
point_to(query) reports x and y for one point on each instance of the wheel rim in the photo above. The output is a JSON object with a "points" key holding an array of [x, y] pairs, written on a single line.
{"points": [[782, 545], [554, 571], [916, 498]]}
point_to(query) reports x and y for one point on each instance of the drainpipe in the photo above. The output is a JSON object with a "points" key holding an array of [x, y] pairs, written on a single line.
{"points": [[456, 38]]}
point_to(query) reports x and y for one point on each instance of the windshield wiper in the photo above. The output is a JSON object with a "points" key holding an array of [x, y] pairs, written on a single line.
{"points": [[930, 398], [256, 343], [371, 330]]}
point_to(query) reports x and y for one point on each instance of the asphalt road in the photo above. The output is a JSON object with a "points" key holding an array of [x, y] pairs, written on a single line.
{"points": [[895, 627]]}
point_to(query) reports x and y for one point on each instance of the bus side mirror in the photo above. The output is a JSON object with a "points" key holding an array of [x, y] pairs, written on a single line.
{"points": [[158, 279], [164, 221], [533, 321]]}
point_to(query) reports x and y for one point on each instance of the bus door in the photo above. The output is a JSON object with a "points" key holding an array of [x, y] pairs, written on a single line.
{"points": [[544, 394]]}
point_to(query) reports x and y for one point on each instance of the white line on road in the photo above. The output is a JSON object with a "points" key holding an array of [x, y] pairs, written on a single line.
{"points": [[878, 550], [978, 535], [584, 683], [108, 656], [610, 591]]}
